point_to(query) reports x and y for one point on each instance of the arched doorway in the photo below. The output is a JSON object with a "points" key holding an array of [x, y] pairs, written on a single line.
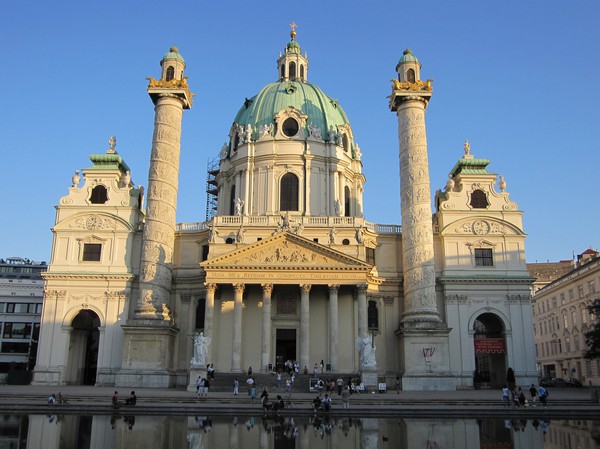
{"points": [[83, 349], [490, 351]]}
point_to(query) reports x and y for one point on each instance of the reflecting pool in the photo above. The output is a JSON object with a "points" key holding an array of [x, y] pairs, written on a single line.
{"points": [[285, 432]]}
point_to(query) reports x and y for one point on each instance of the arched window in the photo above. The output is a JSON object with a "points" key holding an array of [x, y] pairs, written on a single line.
{"points": [[410, 75], [372, 316], [170, 73], [345, 142], [479, 200], [292, 70], [282, 70], [232, 201], [346, 201], [289, 192], [302, 71], [99, 195]]}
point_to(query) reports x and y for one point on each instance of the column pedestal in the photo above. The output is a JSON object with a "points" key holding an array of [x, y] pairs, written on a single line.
{"points": [[368, 377], [425, 360], [195, 372], [148, 355]]}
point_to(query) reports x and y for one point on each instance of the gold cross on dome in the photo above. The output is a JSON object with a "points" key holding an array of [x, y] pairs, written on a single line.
{"points": [[294, 26]]}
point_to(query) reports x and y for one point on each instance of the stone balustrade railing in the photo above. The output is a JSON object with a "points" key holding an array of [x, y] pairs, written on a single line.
{"points": [[275, 220]]}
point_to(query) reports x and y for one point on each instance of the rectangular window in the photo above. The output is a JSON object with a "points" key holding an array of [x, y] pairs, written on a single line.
{"points": [[21, 348], [484, 257], [2, 307], [370, 256], [17, 307], [17, 330], [592, 287], [38, 308], [580, 289], [571, 295], [554, 301], [562, 298], [91, 252]]}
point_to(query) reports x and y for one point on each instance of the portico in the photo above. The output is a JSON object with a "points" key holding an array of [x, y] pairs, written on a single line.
{"points": [[285, 282]]}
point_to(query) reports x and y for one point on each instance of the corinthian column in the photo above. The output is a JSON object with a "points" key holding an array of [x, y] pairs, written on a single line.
{"points": [[266, 326]]}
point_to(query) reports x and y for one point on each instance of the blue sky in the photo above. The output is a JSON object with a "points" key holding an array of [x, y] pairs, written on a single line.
{"points": [[519, 79]]}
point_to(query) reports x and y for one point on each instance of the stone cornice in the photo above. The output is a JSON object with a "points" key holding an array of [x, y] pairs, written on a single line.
{"points": [[88, 276], [524, 280]]}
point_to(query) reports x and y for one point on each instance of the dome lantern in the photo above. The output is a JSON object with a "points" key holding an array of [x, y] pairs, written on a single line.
{"points": [[292, 65]]}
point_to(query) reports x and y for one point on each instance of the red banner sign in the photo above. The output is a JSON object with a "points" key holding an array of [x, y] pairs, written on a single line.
{"points": [[489, 346]]}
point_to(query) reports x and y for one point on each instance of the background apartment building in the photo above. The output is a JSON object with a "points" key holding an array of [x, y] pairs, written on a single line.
{"points": [[562, 317]]}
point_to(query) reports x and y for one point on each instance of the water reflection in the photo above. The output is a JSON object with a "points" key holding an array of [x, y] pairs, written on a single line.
{"points": [[285, 432]]}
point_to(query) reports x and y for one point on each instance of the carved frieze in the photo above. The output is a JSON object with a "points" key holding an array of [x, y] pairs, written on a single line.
{"points": [[287, 253], [94, 223]]}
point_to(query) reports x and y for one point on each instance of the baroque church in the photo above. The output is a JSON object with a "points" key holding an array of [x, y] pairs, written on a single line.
{"points": [[286, 266]]}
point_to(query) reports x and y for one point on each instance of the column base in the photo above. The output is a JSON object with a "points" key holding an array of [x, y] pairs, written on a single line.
{"points": [[425, 358], [368, 376], [148, 349]]}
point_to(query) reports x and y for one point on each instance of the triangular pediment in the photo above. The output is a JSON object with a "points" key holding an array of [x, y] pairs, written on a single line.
{"points": [[286, 258]]}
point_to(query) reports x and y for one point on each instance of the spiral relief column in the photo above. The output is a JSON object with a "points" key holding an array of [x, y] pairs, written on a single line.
{"points": [[149, 336], [421, 326], [171, 96]]}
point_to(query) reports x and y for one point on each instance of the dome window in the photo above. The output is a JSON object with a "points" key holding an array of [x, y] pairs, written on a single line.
{"points": [[170, 73], [410, 75], [292, 70], [302, 71], [346, 201], [290, 127], [282, 71], [479, 200], [345, 242], [99, 195]]}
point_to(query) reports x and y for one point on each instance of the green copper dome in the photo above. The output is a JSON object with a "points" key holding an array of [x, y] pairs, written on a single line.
{"points": [[173, 53], [293, 47], [407, 56], [322, 110]]}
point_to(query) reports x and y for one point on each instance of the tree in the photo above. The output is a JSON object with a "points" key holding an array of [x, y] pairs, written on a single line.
{"points": [[592, 338]]}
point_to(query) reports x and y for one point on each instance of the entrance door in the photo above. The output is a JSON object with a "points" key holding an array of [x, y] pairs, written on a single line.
{"points": [[285, 347], [490, 351], [83, 350]]}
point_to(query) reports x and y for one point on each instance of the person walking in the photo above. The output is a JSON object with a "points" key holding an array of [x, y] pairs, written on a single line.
{"points": [[505, 396], [236, 386], [533, 394], [543, 395], [205, 390], [264, 398], [346, 397]]}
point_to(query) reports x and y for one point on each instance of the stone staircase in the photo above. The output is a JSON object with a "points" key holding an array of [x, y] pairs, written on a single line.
{"points": [[223, 382]]}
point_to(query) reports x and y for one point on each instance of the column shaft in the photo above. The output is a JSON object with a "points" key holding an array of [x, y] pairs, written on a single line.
{"points": [[361, 291], [236, 353], [304, 325], [333, 326], [266, 326], [209, 308]]}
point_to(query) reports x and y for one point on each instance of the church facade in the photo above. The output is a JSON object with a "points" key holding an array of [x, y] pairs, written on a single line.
{"points": [[287, 267]]}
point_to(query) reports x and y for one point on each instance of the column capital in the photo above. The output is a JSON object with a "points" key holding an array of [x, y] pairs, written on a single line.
{"points": [[267, 288], [305, 288], [239, 288], [333, 287], [361, 288], [211, 288]]}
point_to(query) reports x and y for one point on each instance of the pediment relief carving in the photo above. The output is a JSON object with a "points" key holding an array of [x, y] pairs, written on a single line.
{"points": [[482, 226], [287, 250], [94, 222]]}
